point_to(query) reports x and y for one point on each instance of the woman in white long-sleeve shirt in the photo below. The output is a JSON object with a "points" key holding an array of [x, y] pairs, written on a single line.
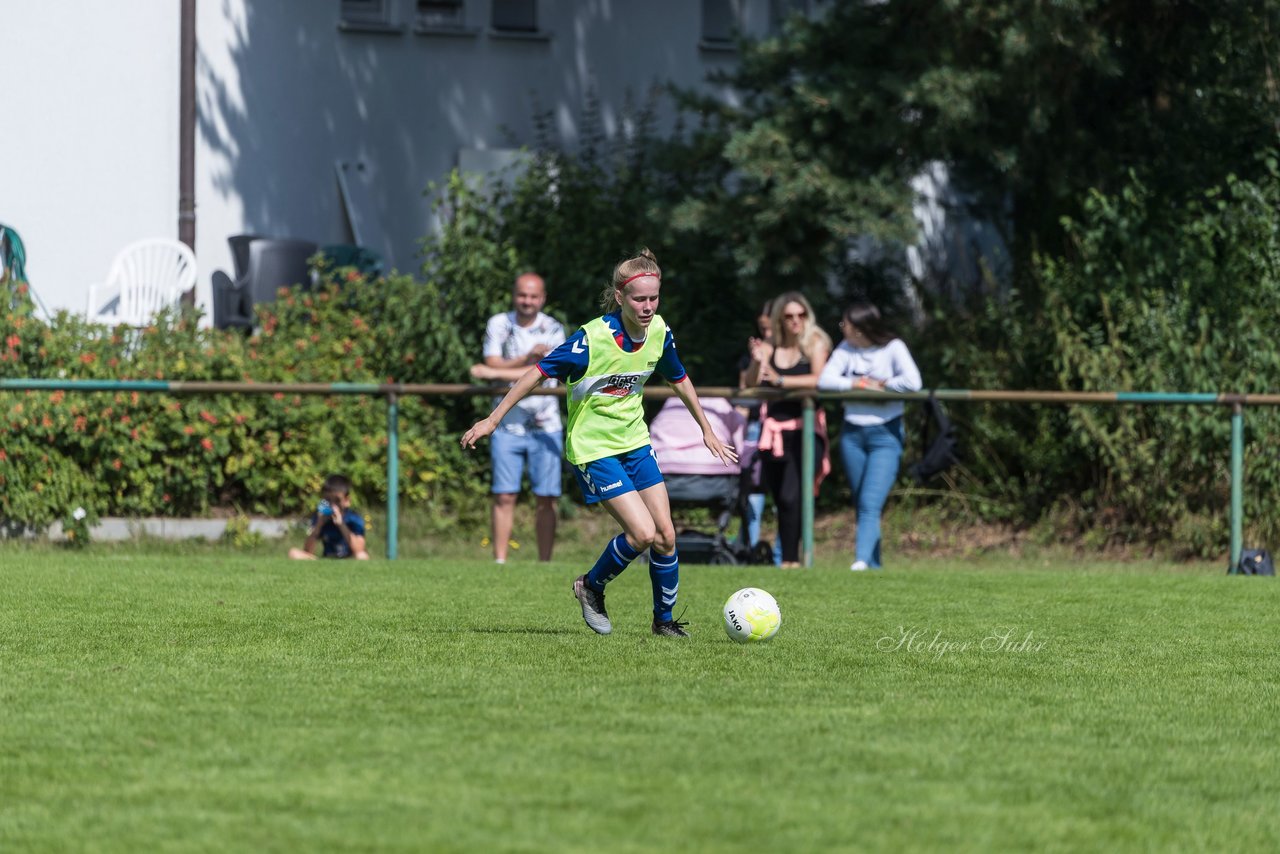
{"points": [[870, 357]]}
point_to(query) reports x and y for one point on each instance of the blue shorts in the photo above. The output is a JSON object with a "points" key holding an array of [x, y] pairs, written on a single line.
{"points": [[613, 476], [540, 450]]}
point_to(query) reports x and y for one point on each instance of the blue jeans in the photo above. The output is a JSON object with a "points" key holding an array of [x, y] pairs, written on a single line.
{"points": [[753, 509], [871, 454]]}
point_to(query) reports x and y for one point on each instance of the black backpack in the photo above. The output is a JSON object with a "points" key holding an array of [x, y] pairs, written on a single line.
{"points": [[942, 451], [1256, 562]]}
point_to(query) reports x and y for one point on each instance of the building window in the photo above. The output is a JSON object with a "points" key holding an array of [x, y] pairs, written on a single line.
{"points": [[721, 22], [440, 14], [515, 16], [780, 10], [366, 12]]}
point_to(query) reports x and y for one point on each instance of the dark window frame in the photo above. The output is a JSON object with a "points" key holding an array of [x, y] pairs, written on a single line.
{"points": [[518, 9], [425, 20], [367, 16], [722, 22]]}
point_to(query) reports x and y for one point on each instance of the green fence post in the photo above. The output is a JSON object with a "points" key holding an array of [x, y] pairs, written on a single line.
{"points": [[1237, 485], [393, 474], [806, 483]]}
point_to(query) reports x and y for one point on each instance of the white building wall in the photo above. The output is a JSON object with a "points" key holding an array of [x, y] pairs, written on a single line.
{"points": [[89, 135], [89, 160], [284, 93]]}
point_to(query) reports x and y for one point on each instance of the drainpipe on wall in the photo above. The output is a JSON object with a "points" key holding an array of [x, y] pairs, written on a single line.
{"points": [[187, 128]]}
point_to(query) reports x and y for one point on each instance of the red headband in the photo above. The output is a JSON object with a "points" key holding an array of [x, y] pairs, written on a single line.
{"points": [[641, 276]]}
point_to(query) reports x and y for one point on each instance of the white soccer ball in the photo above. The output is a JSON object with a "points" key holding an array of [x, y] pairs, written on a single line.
{"points": [[751, 615]]}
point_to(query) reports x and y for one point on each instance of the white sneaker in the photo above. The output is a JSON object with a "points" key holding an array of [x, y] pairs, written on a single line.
{"points": [[859, 566]]}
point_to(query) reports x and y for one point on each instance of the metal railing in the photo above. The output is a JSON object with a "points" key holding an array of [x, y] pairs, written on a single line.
{"points": [[392, 392]]}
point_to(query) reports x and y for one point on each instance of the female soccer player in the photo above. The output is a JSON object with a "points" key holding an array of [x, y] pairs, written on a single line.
{"points": [[605, 365]]}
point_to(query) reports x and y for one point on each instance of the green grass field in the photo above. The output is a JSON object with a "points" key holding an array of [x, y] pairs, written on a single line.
{"points": [[222, 702]]}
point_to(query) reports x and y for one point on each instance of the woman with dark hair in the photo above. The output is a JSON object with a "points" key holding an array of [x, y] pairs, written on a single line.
{"points": [[870, 357], [753, 506]]}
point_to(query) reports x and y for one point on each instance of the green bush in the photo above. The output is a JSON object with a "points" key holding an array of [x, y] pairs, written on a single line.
{"points": [[142, 454], [1149, 299]]}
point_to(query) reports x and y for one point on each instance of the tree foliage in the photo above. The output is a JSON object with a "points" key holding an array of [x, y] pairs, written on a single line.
{"points": [[1030, 105]]}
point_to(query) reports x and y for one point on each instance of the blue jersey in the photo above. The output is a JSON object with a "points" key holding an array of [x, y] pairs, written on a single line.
{"points": [[568, 362], [335, 545]]}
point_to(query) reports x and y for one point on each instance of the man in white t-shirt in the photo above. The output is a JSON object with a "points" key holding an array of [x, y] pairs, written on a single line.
{"points": [[531, 435]]}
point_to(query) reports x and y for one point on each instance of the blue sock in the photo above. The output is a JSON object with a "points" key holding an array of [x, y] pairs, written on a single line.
{"points": [[664, 574], [615, 558]]}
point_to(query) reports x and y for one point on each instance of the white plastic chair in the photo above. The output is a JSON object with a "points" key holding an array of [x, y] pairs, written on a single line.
{"points": [[145, 277]]}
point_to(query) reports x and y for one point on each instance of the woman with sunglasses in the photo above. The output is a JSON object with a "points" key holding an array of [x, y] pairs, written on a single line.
{"points": [[792, 360], [870, 357]]}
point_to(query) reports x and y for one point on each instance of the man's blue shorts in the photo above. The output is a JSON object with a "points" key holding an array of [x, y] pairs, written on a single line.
{"points": [[613, 476], [540, 450]]}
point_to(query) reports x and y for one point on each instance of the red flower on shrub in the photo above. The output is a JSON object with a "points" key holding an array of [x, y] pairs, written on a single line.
{"points": [[278, 395], [206, 443], [176, 406], [116, 464], [3, 455], [240, 419], [208, 416], [133, 398], [88, 358], [80, 423], [13, 341], [125, 419], [353, 276], [113, 362], [165, 498], [133, 434], [54, 398], [188, 429]]}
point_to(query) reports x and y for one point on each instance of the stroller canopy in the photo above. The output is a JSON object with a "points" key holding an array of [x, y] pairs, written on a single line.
{"points": [[677, 439]]}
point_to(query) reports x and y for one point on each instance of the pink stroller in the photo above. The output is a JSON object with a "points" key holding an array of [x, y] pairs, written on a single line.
{"points": [[696, 479]]}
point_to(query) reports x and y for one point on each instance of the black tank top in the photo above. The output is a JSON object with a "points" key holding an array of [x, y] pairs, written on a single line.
{"points": [[784, 410]]}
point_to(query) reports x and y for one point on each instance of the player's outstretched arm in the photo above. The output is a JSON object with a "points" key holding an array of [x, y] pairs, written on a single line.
{"points": [[528, 381], [487, 372], [689, 396]]}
